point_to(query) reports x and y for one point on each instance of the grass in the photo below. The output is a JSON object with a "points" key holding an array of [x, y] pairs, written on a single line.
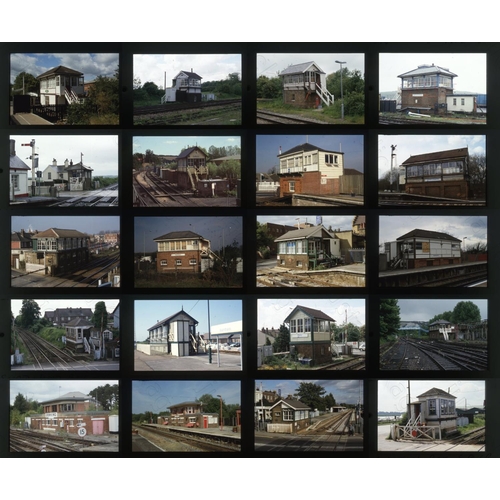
{"points": [[479, 421], [183, 280]]}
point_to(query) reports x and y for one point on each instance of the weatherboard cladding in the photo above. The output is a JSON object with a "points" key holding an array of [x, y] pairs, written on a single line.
{"points": [[439, 155]]}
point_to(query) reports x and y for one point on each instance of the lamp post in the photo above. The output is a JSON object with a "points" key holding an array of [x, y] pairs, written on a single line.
{"points": [[341, 90], [220, 399]]}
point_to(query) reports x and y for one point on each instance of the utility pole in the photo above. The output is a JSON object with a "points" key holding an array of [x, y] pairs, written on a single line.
{"points": [[34, 165]]}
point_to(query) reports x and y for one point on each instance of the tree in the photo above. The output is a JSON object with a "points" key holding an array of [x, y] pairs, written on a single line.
{"points": [[477, 173], [21, 404], [107, 396], [268, 88], [312, 395], [389, 317], [282, 341], [100, 316], [353, 332], [466, 312], [329, 401], [25, 83], [446, 316], [353, 91], [30, 313], [264, 238]]}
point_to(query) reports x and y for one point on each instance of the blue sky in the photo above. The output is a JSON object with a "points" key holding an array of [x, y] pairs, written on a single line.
{"points": [[158, 395], [344, 222], [393, 394], [268, 148], [91, 65], [344, 391], [216, 229], [173, 144], [85, 224], [149, 312]]}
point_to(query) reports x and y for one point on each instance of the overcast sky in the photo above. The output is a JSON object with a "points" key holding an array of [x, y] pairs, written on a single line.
{"points": [[342, 222], [344, 391], [271, 65], [410, 145], [91, 65], [474, 228], [425, 309], [148, 312], [173, 145], [43, 390], [272, 312], [210, 67], [100, 152], [158, 395], [221, 231], [268, 148], [393, 394], [51, 305], [85, 224], [469, 68]]}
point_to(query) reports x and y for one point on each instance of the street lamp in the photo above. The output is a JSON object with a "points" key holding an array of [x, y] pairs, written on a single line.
{"points": [[341, 90], [220, 398]]}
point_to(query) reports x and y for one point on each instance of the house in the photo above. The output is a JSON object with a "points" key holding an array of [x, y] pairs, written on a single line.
{"points": [[191, 167], [186, 87], [442, 174], [62, 316], [73, 412], [304, 86], [289, 416], [435, 408], [18, 171], [423, 248], [183, 251], [426, 89], [264, 401], [57, 251], [310, 334], [61, 85], [78, 334], [461, 103], [308, 248], [20, 243], [175, 335], [55, 174], [308, 169], [191, 414]]}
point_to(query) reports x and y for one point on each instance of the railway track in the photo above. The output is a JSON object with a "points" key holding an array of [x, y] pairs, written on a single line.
{"points": [[350, 364], [267, 117], [201, 441], [103, 198], [178, 106], [408, 354]]}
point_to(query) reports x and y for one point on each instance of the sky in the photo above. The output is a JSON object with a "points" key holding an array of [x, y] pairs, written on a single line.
{"points": [[344, 391], [469, 68], [410, 145], [272, 312], [425, 309], [344, 222], [148, 312], [51, 305], [43, 390], [474, 228], [211, 67], [221, 231], [100, 152], [91, 65], [158, 395], [173, 145], [268, 148], [393, 394], [85, 224], [271, 65]]}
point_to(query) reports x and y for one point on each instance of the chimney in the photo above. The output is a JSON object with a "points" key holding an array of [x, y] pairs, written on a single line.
{"points": [[12, 147]]}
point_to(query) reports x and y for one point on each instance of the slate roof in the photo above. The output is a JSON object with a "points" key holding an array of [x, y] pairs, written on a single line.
{"points": [[167, 320], [16, 163], [314, 313], [427, 69], [189, 74], [69, 396], [437, 156], [60, 70], [180, 235], [307, 232], [60, 233], [188, 151], [300, 68], [423, 233], [436, 392], [306, 147]]}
